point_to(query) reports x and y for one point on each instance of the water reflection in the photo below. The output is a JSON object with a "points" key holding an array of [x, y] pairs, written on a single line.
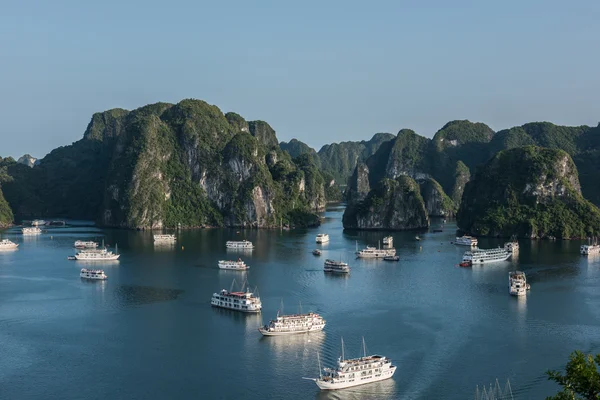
{"points": [[251, 321], [302, 341], [96, 264], [131, 295], [164, 246]]}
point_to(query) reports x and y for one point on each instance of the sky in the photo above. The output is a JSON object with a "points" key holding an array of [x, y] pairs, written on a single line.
{"points": [[319, 71]]}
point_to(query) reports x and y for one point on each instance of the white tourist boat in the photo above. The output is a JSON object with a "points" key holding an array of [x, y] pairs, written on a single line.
{"points": [[6, 244], [166, 238], [512, 247], [485, 256], [238, 265], [322, 238], [588, 249], [293, 324], [374, 252], [31, 231], [466, 241], [38, 222], [517, 283], [239, 301], [241, 244], [336, 267], [93, 274], [97, 255], [388, 242], [354, 371], [81, 244]]}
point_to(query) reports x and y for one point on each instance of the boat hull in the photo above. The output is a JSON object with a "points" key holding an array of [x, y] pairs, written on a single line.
{"points": [[326, 385], [265, 332], [256, 311], [481, 262], [111, 258]]}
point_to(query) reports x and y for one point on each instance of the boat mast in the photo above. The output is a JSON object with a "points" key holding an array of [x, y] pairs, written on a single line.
{"points": [[343, 349], [364, 348], [231, 288], [300, 306], [319, 362]]}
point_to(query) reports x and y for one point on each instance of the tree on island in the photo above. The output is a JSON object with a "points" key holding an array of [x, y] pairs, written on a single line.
{"points": [[581, 379]]}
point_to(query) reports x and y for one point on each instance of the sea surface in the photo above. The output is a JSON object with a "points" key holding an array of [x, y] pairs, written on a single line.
{"points": [[149, 332]]}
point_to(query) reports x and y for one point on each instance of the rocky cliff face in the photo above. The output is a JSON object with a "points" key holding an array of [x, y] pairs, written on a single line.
{"points": [[358, 186], [391, 205], [437, 203], [28, 160], [163, 165], [6, 214], [531, 192], [462, 175]]}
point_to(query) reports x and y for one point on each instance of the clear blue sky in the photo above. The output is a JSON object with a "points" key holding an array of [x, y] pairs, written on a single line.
{"points": [[320, 71]]}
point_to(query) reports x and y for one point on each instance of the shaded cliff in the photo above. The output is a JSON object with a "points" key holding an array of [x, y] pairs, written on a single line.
{"points": [[528, 191], [437, 203], [394, 204]]}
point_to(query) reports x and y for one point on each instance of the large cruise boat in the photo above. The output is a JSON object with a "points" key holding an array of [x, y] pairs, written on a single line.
{"points": [[588, 249], [485, 256], [373, 252], [165, 238], [80, 244], [337, 267], [517, 283], [466, 241], [93, 274], [238, 265], [31, 231], [322, 238], [242, 244], [292, 324], [97, 255], [355, 371], [238, 301], [6, 244]]}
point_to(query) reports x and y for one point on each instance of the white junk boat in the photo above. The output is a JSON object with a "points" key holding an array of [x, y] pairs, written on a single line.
{"points": [[372, 252], [292, 324], [80, 244], [588, 249], [238, 265], [517, 283], [31, 231], [6, 244], [38, 222], [485, 256], [466, 241], [164, 238], [388, 242], [242, 244], [322, 238], [94, 274], [239, 301], [337, 267], [97, 255], [355, 371]]}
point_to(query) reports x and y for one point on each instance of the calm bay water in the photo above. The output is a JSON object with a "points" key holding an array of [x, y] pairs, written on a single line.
{"points": [[149, 332]]}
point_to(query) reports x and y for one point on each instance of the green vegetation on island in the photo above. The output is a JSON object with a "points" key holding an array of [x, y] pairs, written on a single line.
{"points": [[530, 192], [581, 380]]}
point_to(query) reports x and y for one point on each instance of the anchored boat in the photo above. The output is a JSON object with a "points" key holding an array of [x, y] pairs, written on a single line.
{"points": [[336, 267], [238, 301], [241, 244], [485, 256], [517, 283], [322, 238], [93, 274], [293, 324], [6, 244], [238, 265], [355, 371]]}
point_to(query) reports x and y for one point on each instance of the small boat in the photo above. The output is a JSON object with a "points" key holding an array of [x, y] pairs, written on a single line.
{"points": [[466, 241], [6, 244], [336, 267], [71, 258], [316, 252], [31, 231], [322, 238], [80, 244], [238, 265], [517, 283], [239, 244], [372, 252], [93, 274], [465, 264], [391, 258], [417, 238]]}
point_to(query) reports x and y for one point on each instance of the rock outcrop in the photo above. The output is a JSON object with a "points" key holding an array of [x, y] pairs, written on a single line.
{"points": [[358, 186], [437, 203], [394, 204], [28, 160], [530, 192]]}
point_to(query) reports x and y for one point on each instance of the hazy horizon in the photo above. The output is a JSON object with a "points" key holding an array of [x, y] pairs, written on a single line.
{"points": [[320, 73]]}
